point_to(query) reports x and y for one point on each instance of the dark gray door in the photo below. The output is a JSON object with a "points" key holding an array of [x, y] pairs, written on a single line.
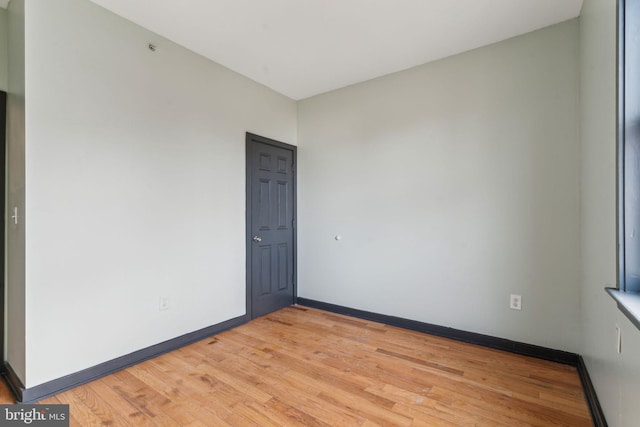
{"points": [[270, 225]]}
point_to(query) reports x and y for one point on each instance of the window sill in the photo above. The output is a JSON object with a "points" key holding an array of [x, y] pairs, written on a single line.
{"points": [[628, 303]]}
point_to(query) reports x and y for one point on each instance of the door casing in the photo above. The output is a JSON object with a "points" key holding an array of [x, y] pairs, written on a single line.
{"points": [[3, 148]]}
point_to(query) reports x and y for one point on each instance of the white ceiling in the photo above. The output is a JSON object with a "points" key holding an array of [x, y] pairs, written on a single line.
{"points": [[302, 48]]}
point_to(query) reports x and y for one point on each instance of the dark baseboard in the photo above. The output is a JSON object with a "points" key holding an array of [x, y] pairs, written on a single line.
{"points": [[39, 392], [12, 380], [590, 392], [455, 334], [478, 339]]}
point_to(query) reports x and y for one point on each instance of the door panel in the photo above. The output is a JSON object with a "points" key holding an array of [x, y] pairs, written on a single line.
{"points": [[270, 225]]}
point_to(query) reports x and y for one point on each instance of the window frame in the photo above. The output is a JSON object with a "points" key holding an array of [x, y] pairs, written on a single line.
{"points": [[620, 138], [626, 295], [624, 100]]}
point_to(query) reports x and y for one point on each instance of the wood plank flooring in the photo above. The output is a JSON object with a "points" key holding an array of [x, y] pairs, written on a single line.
{"points": [[306, 367]]}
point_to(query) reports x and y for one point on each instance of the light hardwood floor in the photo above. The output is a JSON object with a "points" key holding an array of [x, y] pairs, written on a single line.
{"points": [[306, 367]]}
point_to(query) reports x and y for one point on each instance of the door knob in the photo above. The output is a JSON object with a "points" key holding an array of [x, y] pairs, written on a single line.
{"points": [[257, 239]]}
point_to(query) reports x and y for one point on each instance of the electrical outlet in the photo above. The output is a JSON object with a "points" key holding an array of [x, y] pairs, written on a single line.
{"points": [[164, 304], [515, 302]]}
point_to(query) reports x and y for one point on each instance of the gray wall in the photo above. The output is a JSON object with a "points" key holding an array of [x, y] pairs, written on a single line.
{"points": [[616, 376], [453, 185], [4, 50], [15, 261], [134, 187]]}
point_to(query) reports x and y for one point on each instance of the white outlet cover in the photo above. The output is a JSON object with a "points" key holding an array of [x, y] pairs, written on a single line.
{"points": [[515, 302]]}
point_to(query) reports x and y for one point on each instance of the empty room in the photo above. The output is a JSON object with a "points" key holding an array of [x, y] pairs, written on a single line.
{"points": [[320, 212]]}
